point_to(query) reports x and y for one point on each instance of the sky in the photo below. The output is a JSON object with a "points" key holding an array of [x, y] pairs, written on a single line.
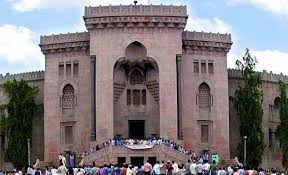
{"points": [[260, 25]]}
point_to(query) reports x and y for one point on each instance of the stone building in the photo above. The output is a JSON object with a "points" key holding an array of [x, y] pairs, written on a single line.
{"points": [[136, 73]]}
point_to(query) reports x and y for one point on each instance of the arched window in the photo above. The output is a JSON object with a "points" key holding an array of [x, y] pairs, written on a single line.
{"points": [[136, 77], [68, 96], [276, 108], [277, 102], [204, 95]]}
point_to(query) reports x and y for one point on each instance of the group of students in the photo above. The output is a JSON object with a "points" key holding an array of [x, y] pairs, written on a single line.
{"points": [[164, 168], [151, 141]]}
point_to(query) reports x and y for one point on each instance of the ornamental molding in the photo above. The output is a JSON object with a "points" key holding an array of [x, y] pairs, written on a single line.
{"points": [[206, 41], [65, 42], [65, 47], [119, 17], [68, 54], [135, 22], [136, 10], [138, 30], [212, 53], [64, 38]]}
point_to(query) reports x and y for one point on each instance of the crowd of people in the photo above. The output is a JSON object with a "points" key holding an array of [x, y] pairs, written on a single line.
{"points": [[151, 142], [195, 167]]}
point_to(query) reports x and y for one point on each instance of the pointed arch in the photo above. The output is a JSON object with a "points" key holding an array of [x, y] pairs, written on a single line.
{"points": [[136, 76], [68, 96], [204, 94], [135, 51]]}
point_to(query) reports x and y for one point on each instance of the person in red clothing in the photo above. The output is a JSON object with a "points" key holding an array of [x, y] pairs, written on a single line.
{"points": [[169, 168], [97, 148], [124, 169], [147, 168]]}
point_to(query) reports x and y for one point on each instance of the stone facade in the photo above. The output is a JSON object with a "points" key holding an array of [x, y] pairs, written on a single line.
{"points": [[272, 153], [137, 66], [33, 79]]}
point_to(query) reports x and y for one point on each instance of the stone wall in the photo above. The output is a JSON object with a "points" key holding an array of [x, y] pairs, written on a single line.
{"points": [[33, 79], [272, 154]]}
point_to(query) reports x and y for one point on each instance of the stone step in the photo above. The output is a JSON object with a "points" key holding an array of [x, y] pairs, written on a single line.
{"points": [[43, 164]]}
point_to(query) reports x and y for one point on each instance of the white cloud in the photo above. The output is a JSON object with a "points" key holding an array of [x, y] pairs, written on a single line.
{"points": [[208, 25], [194, 23], [17, 47], [269, 60], [277, 7], [30, 5]]}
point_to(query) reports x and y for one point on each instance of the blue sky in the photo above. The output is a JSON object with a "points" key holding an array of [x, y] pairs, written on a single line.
{"points": [[260, 25]]}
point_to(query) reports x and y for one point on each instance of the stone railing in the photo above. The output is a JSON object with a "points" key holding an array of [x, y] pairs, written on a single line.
{"points": [[29, 76], [132, 10], [236, 73], [174, 153], [64, 38], [203, 36], [104, 152]]}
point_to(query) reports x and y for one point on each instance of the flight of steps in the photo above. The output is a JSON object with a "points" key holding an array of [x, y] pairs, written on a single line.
{"points": [[118, 90], [43, 164], [153, 87], [226, 162], [110, 154]]}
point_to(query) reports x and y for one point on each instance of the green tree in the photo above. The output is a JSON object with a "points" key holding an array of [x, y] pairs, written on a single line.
{"points": [[283, 127], [17, 125], [248, 103]]}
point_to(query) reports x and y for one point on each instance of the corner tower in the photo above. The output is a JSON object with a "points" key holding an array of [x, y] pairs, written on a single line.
{"points": [[204, 92]]}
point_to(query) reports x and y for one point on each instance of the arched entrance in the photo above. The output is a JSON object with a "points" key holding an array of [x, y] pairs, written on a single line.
{"points": [[136, 94]]}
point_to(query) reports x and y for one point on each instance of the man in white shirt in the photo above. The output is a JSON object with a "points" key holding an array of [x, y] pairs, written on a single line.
{"points": [[64, 160], [175, 168], [206, 168], [157, 168], [60, 159], [193, 168], [62, 170], [199, 168]]}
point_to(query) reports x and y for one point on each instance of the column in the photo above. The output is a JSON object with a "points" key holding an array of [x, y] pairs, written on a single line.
{"points": [[179, 99], [93, 98]]}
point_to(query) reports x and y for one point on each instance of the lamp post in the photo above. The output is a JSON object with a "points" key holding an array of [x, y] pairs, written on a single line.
{"points": [[245, 139], [28, 142]]}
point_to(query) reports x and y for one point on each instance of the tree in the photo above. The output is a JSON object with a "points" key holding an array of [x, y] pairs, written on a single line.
{"points": [[17, 125], [283, 127], [248, 103]]}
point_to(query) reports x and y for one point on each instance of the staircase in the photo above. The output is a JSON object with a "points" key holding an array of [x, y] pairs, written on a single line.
{"points": [[226, 162], [118, 90], [153, 87], [43, 164], [110, 154]]}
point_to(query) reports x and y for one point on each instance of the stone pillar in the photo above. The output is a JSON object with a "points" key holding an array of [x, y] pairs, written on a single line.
{"points": [[179, 99], [93, 98]]}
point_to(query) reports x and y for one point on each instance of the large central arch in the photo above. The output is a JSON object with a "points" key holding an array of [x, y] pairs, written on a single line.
{"points": [[136, 94]]}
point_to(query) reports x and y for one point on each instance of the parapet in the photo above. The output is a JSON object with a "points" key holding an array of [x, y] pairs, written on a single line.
{"points": [[270, 77], [203, 36], [206, 41], [139, 17], [65, 42], [28, 76], [135, 10], [64, 38]]}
